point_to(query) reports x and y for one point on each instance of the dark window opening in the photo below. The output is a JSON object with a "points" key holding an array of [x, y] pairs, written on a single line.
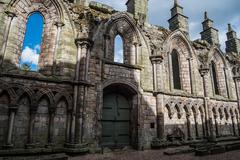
{"points": [[176, 70], [152, 125], [214, 78]]}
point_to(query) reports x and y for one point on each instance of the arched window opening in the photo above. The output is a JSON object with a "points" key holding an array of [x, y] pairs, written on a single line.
{"points": [[31, 48], [214, 78], [176, 70], [118, 49]]}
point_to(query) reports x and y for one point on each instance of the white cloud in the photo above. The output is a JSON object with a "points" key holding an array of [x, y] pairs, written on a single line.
{"points": [[222, 12], [118, 57], [30, 55]]}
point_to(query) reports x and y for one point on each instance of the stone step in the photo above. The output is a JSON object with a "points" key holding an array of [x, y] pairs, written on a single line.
{"points": [[177, 151], [61, 156], [218, 148]]}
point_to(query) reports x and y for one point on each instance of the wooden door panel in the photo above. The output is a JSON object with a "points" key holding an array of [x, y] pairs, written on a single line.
{"points": [[115, 120]]}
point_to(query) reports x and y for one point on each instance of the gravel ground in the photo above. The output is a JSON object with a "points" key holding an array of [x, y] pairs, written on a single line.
{"points": [[156, 155]]}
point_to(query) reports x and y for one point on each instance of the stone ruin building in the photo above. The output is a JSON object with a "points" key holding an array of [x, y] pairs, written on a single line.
{"points": [[168, 88]]}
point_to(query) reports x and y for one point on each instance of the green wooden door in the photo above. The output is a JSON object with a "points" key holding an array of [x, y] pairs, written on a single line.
{"points": [[115, 121]]}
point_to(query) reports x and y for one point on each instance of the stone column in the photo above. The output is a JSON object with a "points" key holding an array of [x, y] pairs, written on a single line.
{"points": [[136, 52], [216, 124], [192, 76], [233, 125], [77, 122], [188, 115], [59, 26], [208, 116], [50, 127], [68, 128], [226, 82], [195, 115], [158, 86], [107, 38], [30, 143], [237, 86], [132, 55], [11, 15], [238, 125], [12, 111], [203, 125]]}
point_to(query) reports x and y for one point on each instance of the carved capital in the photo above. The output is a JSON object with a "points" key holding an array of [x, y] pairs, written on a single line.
{"points": [[203, 71], [156, 59], [10, 14], [83, 42], [59, 24]]}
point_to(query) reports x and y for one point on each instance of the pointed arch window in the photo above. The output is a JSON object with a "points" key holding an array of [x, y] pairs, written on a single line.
{"points": [[214, 78], [176, 70], [31, 48], [118, 49]]}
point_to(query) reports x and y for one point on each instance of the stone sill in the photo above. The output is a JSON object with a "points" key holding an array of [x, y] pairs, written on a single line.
{"points": [[123, 65], [42, 151], [46, 79], [185, 94]]}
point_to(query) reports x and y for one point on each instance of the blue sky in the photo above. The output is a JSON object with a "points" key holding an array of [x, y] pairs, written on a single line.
{"points": [[221, 11], [32, 41], [118, 49]]}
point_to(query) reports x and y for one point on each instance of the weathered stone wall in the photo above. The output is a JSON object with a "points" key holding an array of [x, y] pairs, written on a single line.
{"points": [[62, 105]]}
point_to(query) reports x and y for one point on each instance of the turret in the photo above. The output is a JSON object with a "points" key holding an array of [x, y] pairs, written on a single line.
{"points": [[178, 20], [209, 33], [232, 43]]}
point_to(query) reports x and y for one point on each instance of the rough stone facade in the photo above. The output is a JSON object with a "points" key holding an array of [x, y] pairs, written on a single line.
{"points": [[62, 105]]}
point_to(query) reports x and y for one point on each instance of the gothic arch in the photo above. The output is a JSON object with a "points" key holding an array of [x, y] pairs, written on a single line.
{"points": [[66, 96], [122, 24], [11, 92], [178, 35], [27, 91], [112, 25], [46, 93], [56, 3]]}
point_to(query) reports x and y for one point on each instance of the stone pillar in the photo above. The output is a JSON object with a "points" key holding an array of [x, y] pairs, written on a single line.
{"points": [[12, 111], [59, 26], [68, 132], [208, 116], [50, 127], [233, 125], [237, 86], [188, 115], [216, 124], [195, 115], [30, 143], [238, 125], [107, 38], [136, 53], [83, 46], [160, 117], [11, 15], [203, 125], [191, 75], [132, 55], [226, 82], [77, 72], [158, 86]]}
